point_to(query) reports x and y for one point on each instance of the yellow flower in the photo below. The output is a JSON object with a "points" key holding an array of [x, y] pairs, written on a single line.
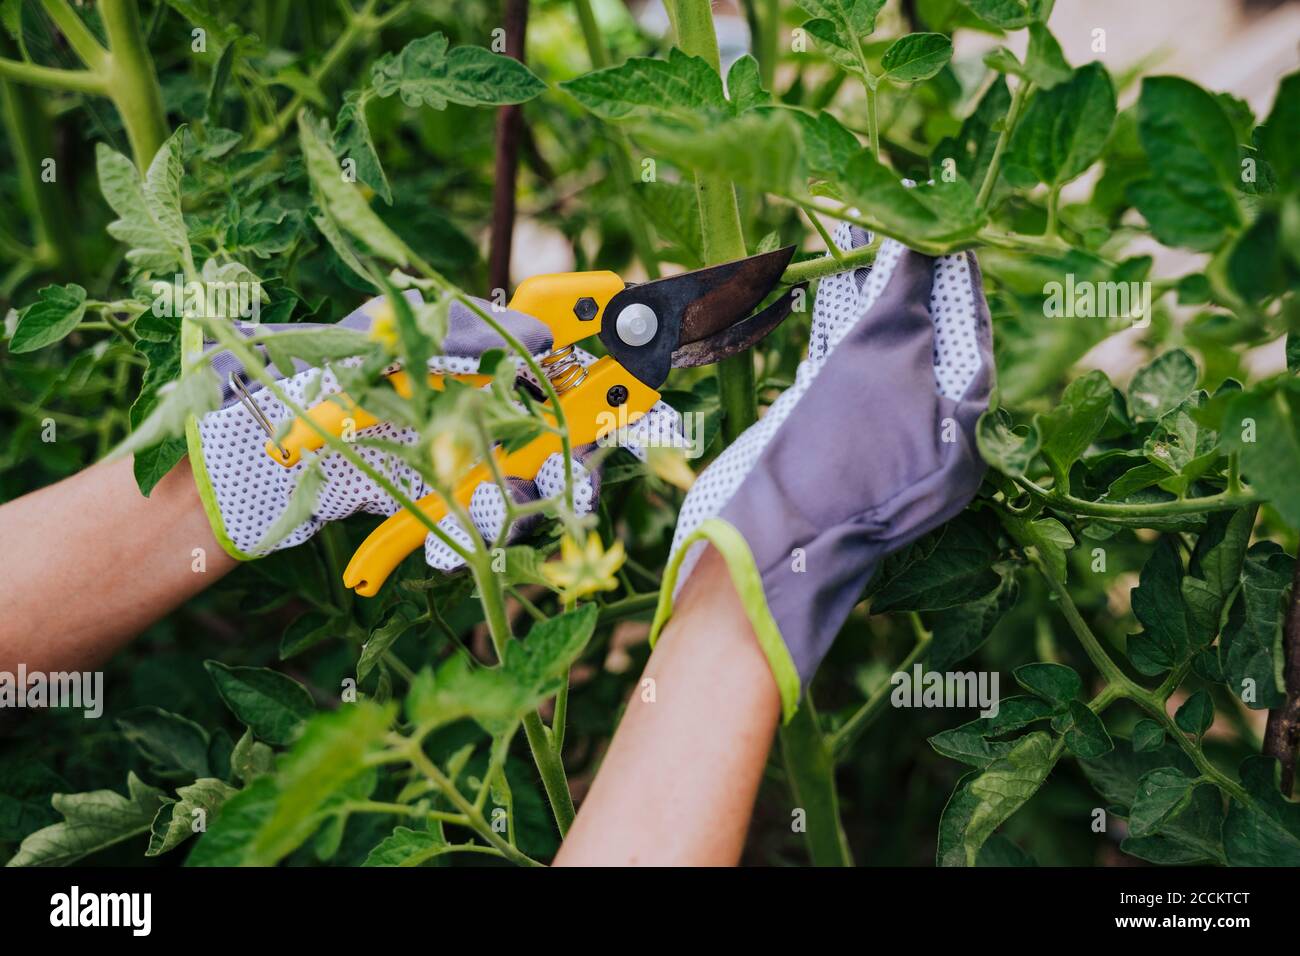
{"points": [[583, 570], [383, 327], [451, 454]]}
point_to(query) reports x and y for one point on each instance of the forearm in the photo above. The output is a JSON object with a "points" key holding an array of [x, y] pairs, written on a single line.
{"points": [[677, 786], [88, 563]]}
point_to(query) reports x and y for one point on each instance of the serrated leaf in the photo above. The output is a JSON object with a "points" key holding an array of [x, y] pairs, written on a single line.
{"points": [[945, 568], [971, 743], [745, 85], [400, 619], [1086, 736], [352, 141], [1193, 155], [1064, 129], [971, 150], [1265, 832], [91, 822], [273, 706], [251, 758], [174, 823], [1157, 603], [1161, 386], [1196, 714], [425, 73], [1074, 422], [56, 312], [407, 847], [1161, 796], [1007, 447], [643, 87], [171, 742], [1263, 426], [1055, 683], [1250, 648], [916, 57], [1148, 735]]}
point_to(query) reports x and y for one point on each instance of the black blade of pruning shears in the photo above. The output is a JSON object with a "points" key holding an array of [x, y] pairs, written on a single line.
{"points": [[695, 318]]}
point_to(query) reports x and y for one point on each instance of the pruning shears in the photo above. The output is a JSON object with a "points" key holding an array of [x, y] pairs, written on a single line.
{"points": [[648, 329]]}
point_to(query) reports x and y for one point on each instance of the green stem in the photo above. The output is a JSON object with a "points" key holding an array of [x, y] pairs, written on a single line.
{"points": [[75, 81], [544, 752], [624, 167], [842, 740], [723, 238], [873, 122], [627, 607], [45, 203], [415, 753], [822, 266], [811, 768], [1013, 115], [78, 35], [1224, 501], [131, 81]]}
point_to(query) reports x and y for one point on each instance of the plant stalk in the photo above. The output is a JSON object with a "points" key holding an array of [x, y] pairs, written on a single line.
{"points": [[131, 81], [811, 768]]}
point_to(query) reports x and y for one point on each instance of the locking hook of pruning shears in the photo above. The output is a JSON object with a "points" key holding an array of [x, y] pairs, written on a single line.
{"points": [[648, 329]]}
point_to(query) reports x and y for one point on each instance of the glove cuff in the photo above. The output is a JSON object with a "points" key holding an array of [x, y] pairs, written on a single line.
{"points": [[745, 576], [192, 344]]}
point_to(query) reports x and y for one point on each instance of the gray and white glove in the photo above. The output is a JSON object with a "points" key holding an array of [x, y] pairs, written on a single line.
{"points": [[871, 447], [245, 492]]}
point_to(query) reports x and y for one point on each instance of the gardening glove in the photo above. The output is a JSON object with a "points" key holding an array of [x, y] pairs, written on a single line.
{"points": [[872, 446], [244, 491]]}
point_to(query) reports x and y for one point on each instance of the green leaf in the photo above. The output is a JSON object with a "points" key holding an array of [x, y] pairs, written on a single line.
{"points": [[226, 843], [1160, 387], [858, 16], [55, 313], [1161, 796], [1281, 131], [916, 57], [149, 211], [1263, 426], [164, 366], [308, 630], [1049, 538], [1148, 735], [424, 73], [170, 742], [251, 758], [1007, 14], [1064, 129], [827, 145], [1193, 155], [984, 801], [1055, 683], [1265, 832], [1158, 604], [1074, 422], [552, 645], [400, 619], [939, 212], [299, 509], [1250, 648], [973, 147], [352, 141], [91, 822], [1007, 447], [972, 742], [1196, 714], [745, 85], [1192, 836], [958, 632], [758, 149], [642, 87], [272, 705], [1045, 64], [195, 394], [407, 847], [950, 566], [327, 757], [1086, 735], [342, 200], [174, 823]]}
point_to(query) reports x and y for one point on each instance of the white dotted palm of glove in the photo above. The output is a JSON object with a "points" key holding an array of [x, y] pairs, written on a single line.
{"points": [[842, 299], [252, 490]]}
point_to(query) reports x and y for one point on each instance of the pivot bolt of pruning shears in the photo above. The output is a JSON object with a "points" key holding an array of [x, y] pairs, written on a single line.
{"points": [[637, 324], [616, 395]]}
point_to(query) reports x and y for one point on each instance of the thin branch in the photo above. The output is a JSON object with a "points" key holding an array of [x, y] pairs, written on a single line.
{"points": [[54, 78], [1282, 733]]}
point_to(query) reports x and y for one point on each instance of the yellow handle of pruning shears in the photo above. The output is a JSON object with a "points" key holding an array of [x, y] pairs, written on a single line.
{"points": [[591, 413], [569, 303]]}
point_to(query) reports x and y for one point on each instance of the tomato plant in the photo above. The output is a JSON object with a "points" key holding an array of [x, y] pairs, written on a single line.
{"points": [[1128, 559]]}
